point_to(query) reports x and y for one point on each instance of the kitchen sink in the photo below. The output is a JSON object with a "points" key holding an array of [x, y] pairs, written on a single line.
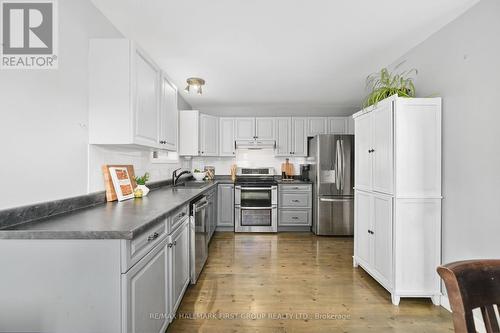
{"points": [[192, 184]]}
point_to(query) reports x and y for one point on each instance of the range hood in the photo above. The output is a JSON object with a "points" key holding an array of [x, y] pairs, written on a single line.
{"points": [[255, 144]]}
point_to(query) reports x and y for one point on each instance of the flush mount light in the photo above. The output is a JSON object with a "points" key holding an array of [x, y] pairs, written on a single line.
{"points": [[194, 84]]}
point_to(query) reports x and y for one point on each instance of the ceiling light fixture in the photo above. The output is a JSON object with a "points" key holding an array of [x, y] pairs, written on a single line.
{"points": [[194, 84]]}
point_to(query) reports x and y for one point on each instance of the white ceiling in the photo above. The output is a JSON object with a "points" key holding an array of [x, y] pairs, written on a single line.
{"points": [[277, 53]]}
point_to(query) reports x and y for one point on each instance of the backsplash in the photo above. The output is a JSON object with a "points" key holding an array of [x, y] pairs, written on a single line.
{"points": [[247, 158], [140, 159]]}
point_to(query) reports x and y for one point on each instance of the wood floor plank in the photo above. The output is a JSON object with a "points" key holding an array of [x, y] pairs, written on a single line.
{"points": [[295, 282]]}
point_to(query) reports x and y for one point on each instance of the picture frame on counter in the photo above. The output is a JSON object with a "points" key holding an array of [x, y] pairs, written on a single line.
{"points": [[122, 183]]}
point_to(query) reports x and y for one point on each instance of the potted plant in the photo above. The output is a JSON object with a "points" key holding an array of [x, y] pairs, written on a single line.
{"points": [[141, 185], [384, 84]]}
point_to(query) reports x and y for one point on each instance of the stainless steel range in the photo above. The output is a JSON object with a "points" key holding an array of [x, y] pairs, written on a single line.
{"points": [[255, 200]]}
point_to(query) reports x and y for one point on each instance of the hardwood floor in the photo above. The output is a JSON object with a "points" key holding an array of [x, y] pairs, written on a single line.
{"points": [[281, 282]]}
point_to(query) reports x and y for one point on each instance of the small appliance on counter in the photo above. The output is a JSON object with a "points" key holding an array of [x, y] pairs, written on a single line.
{"points": [[304, 172]]}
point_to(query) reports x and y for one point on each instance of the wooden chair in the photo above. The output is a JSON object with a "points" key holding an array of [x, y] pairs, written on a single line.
{"points": [[472, 284]]}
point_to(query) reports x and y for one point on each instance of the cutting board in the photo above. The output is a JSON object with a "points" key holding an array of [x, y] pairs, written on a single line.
{"points": [[108, 182], [288, 169]]}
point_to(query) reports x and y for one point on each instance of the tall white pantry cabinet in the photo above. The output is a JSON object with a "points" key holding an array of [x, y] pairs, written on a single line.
{"points": [[398, 195]]}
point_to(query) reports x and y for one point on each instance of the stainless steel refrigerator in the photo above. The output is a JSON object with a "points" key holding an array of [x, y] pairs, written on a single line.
{"points": [[332, 172]]}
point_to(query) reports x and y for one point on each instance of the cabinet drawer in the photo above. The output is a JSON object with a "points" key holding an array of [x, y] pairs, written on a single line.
{"points": [[295, 200], [294, 217], [177, 217], [138, 247], [293, 188]]}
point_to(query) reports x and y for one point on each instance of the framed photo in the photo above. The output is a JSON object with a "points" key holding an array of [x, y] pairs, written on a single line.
{"points": [[122, 183]]}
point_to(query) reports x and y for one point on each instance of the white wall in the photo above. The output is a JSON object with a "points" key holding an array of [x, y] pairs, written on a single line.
{"points": [[246, 158], [461, 63], [44, 119]]}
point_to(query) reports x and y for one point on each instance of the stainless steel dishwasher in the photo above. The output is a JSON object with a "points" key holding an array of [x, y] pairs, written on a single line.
{"points": [[198, 236]]}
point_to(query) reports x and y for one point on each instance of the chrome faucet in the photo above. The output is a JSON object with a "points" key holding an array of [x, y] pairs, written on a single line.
{"points": [[175, 176]]}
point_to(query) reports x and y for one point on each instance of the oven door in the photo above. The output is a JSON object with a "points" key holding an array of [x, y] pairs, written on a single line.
{"points": [[254, 197], [258, 219]]}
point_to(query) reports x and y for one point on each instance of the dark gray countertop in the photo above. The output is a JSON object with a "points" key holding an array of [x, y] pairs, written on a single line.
{"points": [[114, 220]]}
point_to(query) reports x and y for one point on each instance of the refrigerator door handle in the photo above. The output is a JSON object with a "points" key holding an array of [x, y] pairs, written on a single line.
{"points": [[342, 163], [337, 165], [335, 200]]}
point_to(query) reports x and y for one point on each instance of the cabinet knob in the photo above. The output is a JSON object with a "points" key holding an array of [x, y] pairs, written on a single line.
{"points": [[170, 245], [175, 243]]}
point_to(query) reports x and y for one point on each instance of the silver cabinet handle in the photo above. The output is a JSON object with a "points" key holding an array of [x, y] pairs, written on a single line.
{"points": [[175, 243], [153, 236], [170, 245], [334, 200], [295, 200], [295, 217]]}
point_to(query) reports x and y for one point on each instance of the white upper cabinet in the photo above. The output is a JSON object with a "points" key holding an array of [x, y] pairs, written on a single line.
{"points": [[209, 135], [199, 134], [126, 97], [244, 128], [226, 137], [362, 151], [264, 128], [337, 125], [283, 133], [317, 125], [374, 149], [299, 136], [169, 115], [146, 111], [382, 148]]}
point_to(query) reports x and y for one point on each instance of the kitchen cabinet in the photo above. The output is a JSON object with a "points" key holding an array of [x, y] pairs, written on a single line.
{"points": [[264, 128], [291, 136], [130, 102], [294, 205], [374, 150], [199, 134], [398, 195], [211, 213], [283, 136], [145, 287], [299, 136], [227, 137], [337, 125], [374, 225], [317, 125], [225, 209], [178, 247], [244, 128], [209, 137], [169, 115]]}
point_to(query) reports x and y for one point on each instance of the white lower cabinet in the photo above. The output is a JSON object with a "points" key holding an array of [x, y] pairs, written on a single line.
{"points": [[179, 260], [145, 292], [153, 288]]}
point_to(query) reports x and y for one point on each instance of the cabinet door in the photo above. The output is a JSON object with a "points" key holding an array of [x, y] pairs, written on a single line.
{"points": [[382, 147], [363, 157], [226, 205], [264, 128], [208, 135], [382, 237], [337, 125], [245, 128], [226, 137], [146, 111], [180, 264], [145, 293], [299, 136], [317, 125], [169, 122], [362, 226], [283, 136]]}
